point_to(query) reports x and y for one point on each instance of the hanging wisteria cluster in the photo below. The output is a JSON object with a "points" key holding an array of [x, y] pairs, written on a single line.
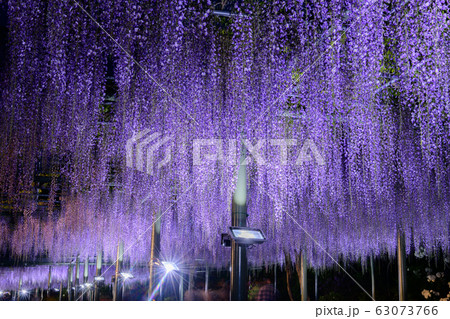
{"points": [[366, 81]]}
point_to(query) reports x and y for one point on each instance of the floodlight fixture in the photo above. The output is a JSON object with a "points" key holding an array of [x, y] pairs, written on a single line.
{"points": [[247, 236], [126, 275], [169, 266]]}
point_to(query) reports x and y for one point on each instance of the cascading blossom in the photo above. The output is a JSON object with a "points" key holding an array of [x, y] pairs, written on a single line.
{"points": [[366, 81]]}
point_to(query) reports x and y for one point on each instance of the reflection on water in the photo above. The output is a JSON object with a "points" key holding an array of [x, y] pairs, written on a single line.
{"points": [[52, 282]]}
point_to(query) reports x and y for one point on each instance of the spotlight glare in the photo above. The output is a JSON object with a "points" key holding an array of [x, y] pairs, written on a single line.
{"points": [[169, 266], [23, 292], [99, 278]]}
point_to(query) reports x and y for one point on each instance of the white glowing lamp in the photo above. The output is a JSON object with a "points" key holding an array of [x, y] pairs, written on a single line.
{"points": [[126, 275], [170, 266]]}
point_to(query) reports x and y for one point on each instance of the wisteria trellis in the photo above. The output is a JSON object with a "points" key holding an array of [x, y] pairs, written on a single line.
{"points": [[377, 104]]}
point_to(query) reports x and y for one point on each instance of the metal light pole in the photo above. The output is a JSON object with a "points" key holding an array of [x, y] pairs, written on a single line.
{"points": [[401, 260], [154, 252], [239, 271]]}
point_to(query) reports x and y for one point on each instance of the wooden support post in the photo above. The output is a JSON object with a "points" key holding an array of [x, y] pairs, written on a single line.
{"points": [[275, 280], [76, 278], [98, 272], [304, 276], [49, 281], [119, 260], [18, 291], [154, 251], [181, 288], [288, 268], [401, 261], [206, 280], [87, 294], [302, 268], [69, 283], [191, 280], [372, 276], [316, 292]]}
